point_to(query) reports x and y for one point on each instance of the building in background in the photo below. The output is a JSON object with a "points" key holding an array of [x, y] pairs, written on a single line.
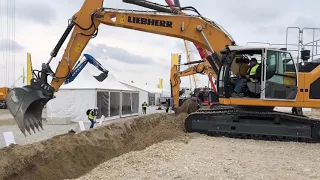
{"points": [[148, 94], [113, 99]]}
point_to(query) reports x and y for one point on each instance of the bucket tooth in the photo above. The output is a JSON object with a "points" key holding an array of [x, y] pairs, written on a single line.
{"points": [[26, 105]]}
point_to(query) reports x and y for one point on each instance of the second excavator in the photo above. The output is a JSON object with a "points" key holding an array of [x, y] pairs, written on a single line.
{"points": [[175, 80], [278, 79]]}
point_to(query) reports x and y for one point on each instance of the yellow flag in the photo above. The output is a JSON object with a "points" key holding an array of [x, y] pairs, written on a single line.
{"points": [[29, 69], [160, 83], [174, 59]]}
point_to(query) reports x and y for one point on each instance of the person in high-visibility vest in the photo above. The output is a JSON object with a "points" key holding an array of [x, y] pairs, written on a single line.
{"points": [[251, 76], [91, 116], [144, 108]]}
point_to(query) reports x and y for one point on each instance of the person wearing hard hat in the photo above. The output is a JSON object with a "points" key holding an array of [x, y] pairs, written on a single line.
{"points": [[91, 116]]}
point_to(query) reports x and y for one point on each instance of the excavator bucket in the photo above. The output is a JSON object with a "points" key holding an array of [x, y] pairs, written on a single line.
{"points": [[102, 76], [26, 105]]}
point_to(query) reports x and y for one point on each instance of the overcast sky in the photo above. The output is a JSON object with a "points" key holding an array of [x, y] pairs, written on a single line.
{"points": [[144, 57]]}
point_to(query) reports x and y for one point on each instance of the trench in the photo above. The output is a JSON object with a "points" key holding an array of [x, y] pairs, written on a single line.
{"points": [[71, 156]]}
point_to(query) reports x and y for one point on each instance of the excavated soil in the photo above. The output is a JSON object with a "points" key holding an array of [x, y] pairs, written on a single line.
{"points": [[188, 107], [73, 155]]}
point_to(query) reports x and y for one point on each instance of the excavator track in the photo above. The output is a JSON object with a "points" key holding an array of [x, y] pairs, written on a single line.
{"points": [[242, 123]]}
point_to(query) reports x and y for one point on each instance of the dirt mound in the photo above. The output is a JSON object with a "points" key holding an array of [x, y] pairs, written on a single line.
{"points": [[188, 106], [73, 155]]}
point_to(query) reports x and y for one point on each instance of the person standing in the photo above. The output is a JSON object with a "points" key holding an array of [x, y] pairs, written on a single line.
{"points": [[91, 116], [144, 108]]}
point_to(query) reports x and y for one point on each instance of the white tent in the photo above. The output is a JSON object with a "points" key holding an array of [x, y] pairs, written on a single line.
{"points": [[113, 99], [154, 93], [143, 95]]}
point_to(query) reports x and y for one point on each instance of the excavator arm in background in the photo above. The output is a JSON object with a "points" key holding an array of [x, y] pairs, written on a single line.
{"points": [[26, 103], [175, 81], [175, 5], [81, 64]]}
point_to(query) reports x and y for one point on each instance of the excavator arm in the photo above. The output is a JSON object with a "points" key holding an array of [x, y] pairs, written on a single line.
{"points": [[81, 64], [202, 52], [26, 103]]}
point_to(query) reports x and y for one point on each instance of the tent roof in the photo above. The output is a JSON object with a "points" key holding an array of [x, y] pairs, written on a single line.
{"points": [[150, 89], [85, 80]]}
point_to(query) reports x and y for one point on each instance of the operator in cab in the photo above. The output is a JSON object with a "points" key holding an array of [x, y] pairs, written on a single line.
{"points": [[250, 77]]}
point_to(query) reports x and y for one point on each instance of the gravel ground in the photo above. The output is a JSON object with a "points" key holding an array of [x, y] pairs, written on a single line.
{"points": [[49, 131], [202, 157], [194, 156]]}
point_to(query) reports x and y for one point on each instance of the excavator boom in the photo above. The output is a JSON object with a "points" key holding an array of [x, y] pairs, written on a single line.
{"points": [[26, 103]]}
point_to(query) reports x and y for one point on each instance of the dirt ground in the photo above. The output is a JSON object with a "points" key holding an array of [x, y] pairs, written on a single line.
{"points": [[73, 155], [156, 147], [197, 156]]}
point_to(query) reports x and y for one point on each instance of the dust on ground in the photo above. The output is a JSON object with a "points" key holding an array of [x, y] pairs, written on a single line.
{"points": [[7, 122], [73, 155], [202, 157], [6, 118]]}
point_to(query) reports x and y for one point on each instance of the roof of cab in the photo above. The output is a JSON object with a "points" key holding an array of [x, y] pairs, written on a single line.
{"points": [[252, 47]]}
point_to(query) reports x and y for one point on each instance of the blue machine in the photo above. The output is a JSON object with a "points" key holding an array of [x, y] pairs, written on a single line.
{"points": [[80, 65]]}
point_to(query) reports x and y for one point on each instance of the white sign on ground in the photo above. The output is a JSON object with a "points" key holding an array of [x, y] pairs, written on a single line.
{"points": [[81, 126], [101, 120], [9, 138]]}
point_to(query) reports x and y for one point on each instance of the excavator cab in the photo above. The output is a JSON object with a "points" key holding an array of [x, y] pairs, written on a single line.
{"points": [[275, 77]]}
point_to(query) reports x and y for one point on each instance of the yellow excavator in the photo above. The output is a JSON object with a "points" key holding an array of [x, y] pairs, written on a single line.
{"points": [[282, 82], [201, 67]]}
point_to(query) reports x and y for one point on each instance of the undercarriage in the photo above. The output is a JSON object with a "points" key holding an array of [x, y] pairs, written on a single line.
{"points": [[254, 123]]}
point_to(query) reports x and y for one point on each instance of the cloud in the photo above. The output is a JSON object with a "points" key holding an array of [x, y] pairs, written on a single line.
{"points": [[302, 21], [38, 12], [9, 45], [102, 51], [129, 51]]}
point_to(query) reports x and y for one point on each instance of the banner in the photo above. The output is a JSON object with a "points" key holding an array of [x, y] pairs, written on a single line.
{"points": [[29, 69], [175, 59], [160, 83]]}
